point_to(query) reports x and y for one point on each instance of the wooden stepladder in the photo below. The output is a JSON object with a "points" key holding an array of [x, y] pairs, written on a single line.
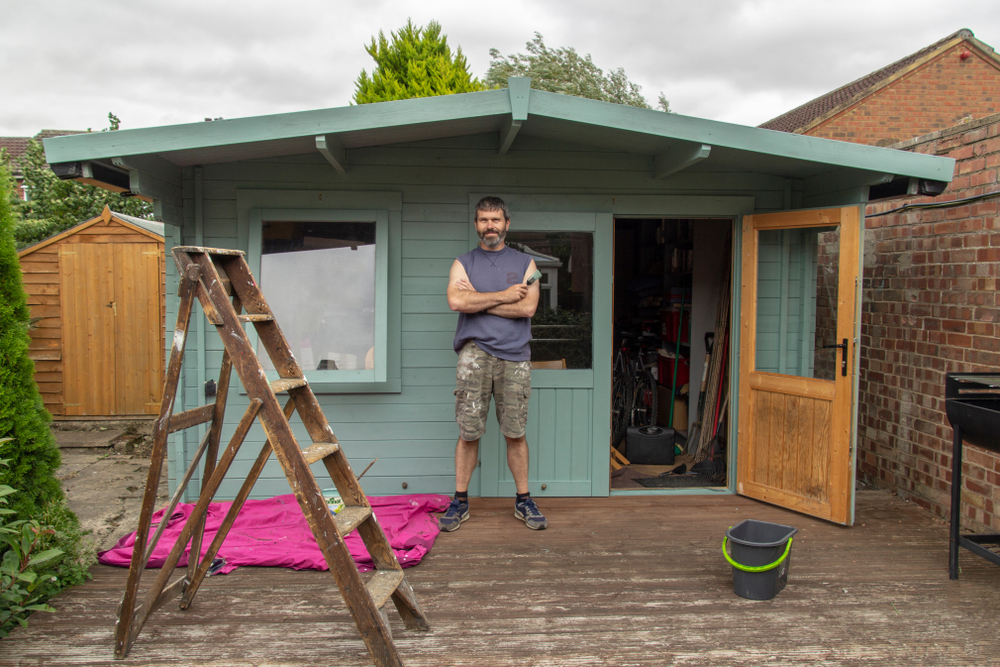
{"points": [[213, 276]]}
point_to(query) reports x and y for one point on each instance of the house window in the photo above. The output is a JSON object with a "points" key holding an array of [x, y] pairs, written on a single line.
{"points": [[327, 276]]}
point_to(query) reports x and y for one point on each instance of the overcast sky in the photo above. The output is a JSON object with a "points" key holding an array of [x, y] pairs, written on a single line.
{"points": [[67, 63]]}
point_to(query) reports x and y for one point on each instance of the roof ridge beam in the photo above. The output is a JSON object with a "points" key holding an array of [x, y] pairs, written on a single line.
{"points": [[333, 150], [519, 88], [679, 157]]}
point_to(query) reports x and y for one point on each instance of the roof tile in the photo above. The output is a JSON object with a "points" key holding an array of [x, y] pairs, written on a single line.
{"points": [[801, 117]]}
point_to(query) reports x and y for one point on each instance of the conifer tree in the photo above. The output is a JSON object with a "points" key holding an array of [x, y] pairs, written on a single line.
{"points": [[32, 453], [416, 62]]}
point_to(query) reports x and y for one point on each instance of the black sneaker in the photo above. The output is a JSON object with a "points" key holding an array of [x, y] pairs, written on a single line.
{"points": [[453, 517], [527, 511]]}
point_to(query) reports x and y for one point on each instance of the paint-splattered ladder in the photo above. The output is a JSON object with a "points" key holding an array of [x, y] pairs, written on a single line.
{"points": [[222, 283]]}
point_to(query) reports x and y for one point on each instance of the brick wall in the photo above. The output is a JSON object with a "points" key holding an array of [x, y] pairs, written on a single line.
{"points": [[930, 308], [935, 96]]}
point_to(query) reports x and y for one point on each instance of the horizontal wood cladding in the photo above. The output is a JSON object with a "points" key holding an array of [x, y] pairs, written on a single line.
{"points": [[43, 299], [40, 278], [413, 432], [36, 266]]}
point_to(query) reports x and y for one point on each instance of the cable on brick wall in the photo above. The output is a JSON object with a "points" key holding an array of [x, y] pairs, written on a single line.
{"points": [[940, 204]]}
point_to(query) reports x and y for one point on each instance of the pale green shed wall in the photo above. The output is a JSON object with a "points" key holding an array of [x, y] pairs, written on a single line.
{"points": [[413, 432]]}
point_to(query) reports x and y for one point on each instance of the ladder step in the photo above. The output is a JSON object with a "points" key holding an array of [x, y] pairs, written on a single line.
{"points": [[284, 384], [351, 517], [257, 317], [383, 585], [319, 451], [209, 251]]}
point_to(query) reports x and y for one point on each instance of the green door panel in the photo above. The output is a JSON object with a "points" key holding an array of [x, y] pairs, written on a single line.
{"points": [[568, 429]]}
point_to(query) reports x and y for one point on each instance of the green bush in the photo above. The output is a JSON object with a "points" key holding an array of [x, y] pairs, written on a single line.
{"points": [[30, 232], [74, 567], [25, 565], [35, 458], [40, 548]]}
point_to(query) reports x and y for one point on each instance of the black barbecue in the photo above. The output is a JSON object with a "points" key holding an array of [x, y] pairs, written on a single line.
{"points": [[972, 401]]}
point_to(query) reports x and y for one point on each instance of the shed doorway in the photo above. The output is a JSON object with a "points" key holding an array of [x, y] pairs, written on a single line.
{"points": [[670, 277], [112, 359]]}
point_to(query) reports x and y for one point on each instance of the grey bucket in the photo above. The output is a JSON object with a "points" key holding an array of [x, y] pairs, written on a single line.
{"points": [[761, 555]]}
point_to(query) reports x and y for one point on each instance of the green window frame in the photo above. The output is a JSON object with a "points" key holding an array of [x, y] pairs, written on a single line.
{"points": [[334, 207]]}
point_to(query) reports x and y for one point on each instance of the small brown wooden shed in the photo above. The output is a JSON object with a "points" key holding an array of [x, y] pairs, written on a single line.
{"points": [[96, 292]]}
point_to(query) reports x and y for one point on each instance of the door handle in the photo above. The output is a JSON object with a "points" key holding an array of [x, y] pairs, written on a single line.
{"points": [[843, 361]]}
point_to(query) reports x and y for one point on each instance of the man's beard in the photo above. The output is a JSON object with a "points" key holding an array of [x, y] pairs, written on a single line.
{"points": [[493, 243]]}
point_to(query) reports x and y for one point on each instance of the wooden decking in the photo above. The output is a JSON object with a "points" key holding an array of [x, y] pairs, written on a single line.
{"points": [[621, 581]]}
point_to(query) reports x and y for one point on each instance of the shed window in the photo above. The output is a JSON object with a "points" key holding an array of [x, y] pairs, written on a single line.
{"points": [[326, 276], [319, 278]]}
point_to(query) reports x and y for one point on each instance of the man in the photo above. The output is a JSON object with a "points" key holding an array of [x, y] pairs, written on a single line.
{"points": [[489, 287]]}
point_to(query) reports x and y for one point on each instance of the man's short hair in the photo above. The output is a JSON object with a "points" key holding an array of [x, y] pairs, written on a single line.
{"points": [[492, 204]]}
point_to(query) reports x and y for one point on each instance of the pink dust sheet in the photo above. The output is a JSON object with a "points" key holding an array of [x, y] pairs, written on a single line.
{"points": [[274, 533]]}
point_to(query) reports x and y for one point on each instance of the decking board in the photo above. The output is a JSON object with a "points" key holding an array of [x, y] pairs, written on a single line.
{"points": [[634, 580]]}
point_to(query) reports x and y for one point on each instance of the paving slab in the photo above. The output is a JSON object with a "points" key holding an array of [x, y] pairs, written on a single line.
{"points": [[87, 439], [105, 491], [104, 470]]}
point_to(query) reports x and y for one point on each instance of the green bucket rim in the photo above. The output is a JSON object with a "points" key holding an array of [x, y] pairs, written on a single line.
{"points": [[755, 568]]}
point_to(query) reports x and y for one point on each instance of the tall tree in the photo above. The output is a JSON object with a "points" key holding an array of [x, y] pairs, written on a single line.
{"points": [[565, 71], [416, 62], [32, 452], [55, 205]]}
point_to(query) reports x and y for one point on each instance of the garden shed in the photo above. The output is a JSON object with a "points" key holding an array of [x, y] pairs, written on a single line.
{"points": [[96, 295], [351, 218]]}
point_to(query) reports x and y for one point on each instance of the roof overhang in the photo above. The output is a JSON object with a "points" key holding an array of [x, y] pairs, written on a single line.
{"points": [[150, 160]]}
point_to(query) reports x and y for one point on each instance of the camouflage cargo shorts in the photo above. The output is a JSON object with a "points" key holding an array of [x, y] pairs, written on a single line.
{"points": [[480, 375]]}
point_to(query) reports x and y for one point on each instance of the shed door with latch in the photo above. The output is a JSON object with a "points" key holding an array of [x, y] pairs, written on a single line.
{"points": [[567, 436], [797, 360], [111, 322]]}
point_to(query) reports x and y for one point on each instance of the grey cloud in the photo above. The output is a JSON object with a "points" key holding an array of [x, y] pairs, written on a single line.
{"points": [[151, 62]]}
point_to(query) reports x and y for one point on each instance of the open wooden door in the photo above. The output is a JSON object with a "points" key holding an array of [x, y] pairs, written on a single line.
{"points": [[798, 343]]}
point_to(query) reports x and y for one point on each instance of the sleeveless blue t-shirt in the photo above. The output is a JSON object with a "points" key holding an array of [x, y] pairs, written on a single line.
{"points": [[495, 271]]}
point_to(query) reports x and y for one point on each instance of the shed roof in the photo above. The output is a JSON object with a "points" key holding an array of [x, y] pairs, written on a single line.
{"points": [[803, 118], [148, 161], [148, 227]]}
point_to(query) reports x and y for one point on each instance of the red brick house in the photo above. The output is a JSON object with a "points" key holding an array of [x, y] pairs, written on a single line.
{"points": [[952, 81], [16, 147]]}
